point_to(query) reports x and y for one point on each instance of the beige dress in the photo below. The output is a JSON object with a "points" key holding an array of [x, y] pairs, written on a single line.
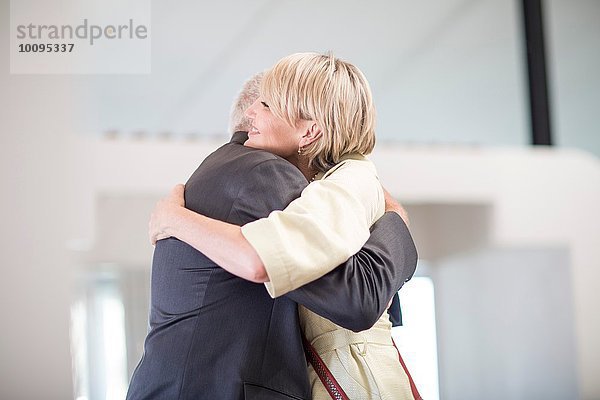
{"points": [[321, 229]]}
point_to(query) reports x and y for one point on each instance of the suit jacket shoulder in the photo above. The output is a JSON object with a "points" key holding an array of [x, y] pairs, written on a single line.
{"points": [[249, 184]]}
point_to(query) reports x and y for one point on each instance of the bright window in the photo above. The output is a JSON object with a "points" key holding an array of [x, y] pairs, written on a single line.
{"points": [[416, 339], [98, 339]]}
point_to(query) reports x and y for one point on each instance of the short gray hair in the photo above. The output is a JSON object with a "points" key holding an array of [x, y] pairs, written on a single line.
{"points": [[248, 95]]}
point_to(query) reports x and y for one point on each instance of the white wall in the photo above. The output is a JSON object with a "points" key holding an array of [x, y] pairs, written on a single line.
{"points": [[505, 325], [38, 210], [573, 55]]}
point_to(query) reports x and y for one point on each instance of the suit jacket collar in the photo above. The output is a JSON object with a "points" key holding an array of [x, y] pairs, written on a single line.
{"points": [[239, 137]]}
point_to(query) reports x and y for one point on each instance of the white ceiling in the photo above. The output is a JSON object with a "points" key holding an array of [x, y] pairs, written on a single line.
{"points": [[449, 71]]}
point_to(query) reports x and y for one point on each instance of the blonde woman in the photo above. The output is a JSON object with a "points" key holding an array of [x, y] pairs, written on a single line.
{"points": [[317, 112]]}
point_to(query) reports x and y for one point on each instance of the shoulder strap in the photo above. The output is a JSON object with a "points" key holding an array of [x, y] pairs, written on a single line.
{"points": [[333, 387], [413, 387]]}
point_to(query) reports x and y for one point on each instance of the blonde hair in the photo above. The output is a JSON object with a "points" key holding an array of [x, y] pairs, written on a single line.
{"points": [[238, 121], [333, 93]]}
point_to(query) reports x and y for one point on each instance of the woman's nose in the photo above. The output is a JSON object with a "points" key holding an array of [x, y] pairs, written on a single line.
{"points": [[250, 111]]}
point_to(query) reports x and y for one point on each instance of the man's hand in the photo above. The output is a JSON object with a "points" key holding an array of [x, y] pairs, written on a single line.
{"points": [[392, 205], [164, 215]]}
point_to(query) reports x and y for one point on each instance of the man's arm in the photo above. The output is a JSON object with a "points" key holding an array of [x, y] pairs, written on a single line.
{"points": [[356, 294]]}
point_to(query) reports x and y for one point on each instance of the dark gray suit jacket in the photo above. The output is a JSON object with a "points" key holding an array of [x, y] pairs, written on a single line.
{"points": [[215, 336]]}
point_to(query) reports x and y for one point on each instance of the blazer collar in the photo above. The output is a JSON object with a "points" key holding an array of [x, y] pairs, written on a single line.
{"points": [[239, 137]]}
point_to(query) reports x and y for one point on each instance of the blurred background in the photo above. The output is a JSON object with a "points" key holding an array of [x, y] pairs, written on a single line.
{"points": [[505, 217]]}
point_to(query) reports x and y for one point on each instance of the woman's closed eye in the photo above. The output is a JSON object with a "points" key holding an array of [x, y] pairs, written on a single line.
{"points": [[264, 104]]}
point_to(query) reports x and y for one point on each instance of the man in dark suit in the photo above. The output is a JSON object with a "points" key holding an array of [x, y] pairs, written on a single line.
{"points": [[216, 336]]}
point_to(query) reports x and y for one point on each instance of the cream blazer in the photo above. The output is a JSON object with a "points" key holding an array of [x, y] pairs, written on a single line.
{"points": [[321, 229]]}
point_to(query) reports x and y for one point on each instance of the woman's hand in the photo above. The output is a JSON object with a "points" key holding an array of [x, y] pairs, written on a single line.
{"points": [[164, 216], [220, 241]]}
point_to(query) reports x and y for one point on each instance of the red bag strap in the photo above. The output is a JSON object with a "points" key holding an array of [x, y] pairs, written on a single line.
{"points": [[333, 387], [413, 387]]}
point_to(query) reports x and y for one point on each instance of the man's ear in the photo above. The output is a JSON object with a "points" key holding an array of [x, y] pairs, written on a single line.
{"points": [[312, 134]]}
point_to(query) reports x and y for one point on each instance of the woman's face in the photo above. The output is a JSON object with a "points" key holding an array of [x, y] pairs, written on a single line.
{"points": [[271, 133]]}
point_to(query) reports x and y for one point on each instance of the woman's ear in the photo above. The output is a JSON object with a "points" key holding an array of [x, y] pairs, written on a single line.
{"points": [[312, 134]]}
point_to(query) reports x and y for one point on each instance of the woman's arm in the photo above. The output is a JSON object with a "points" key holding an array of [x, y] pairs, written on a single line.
{"points": [[220, 241], [320, 230]]}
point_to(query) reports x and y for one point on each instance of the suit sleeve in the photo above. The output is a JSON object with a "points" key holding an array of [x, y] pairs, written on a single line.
{"points": [[365, 283]]}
